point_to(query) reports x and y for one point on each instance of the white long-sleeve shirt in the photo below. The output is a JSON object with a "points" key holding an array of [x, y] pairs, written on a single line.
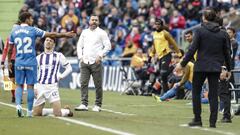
{"points": [[92, 44]]}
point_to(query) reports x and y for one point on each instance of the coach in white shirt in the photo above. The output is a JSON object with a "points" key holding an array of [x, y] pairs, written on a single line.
{"points": [[92, 46]]}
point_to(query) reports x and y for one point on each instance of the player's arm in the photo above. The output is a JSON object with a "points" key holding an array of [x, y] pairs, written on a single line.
{"points": [[60, 35], [186, 74], [152, 51], [171, 42], [4, 55], [10, 51], [65, 64], [41, 33]]}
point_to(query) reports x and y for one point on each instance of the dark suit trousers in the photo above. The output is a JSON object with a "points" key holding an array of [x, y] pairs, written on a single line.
{"points": [[96, 71], [225, 98], [198, 80]]}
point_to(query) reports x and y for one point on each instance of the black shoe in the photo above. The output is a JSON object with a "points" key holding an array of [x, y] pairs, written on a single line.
{"points": [[194, 123], [212, 125], [226, 120], [13, 99]]}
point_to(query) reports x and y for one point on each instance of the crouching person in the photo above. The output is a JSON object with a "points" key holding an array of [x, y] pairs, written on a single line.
{"points": [[186, 81], [49, 63]]}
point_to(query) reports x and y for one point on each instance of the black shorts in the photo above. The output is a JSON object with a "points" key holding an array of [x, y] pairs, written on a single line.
{"points": [[12, 74]]}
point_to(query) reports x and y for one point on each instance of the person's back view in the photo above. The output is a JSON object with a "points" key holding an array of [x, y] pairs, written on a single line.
{"points": [[213, 49], [210, 50], [24, 36]]}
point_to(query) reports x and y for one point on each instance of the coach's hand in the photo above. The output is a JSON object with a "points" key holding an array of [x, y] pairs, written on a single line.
{"points": [[98, 60]]}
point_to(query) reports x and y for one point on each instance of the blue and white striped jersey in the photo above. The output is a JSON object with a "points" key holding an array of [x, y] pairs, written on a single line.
{"points": [[49, 66]]}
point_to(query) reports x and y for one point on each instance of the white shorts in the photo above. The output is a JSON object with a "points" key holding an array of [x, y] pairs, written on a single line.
{"points": [[47, 92]]}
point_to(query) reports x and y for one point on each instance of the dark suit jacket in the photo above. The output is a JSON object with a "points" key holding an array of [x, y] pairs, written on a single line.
{"points": [[213, 49]]}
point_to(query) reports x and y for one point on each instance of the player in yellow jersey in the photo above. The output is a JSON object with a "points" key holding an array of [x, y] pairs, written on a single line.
{"points": [[163, 45]]}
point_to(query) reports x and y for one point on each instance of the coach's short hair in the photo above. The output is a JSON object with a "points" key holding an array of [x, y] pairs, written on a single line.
{"points": [[24, 16], [210, 14], [94, 15]]}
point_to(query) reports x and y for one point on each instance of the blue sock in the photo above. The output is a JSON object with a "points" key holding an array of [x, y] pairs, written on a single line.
{"points": [[18, 95], [30, 98]]}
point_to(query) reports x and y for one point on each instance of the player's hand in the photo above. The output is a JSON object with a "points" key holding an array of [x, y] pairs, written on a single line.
{"points": [[10, 66], [98, 60], [2, 66], [60, 77], [35, 93], [176, 85], [70, 34]]}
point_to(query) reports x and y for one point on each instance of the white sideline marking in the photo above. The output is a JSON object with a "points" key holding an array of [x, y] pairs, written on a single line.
{"points": [[208, 129], [116, 112], [121, 113], [81, 123]]}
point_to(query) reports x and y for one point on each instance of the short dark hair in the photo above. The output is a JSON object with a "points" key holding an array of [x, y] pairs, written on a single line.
{"points": [[182, 52], [189, 32], [159, 21], [93, 15], [209, 14], [232, 29], [54, 39], [24, 16], [219, 21]]}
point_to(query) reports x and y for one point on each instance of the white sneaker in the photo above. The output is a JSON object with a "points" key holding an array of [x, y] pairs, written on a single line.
{"points": [[96, 108], [19, 111], [29, 114], [81, 107]]}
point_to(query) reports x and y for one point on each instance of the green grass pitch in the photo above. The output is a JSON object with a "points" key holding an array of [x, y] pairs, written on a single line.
{"points": [[128, 114]]}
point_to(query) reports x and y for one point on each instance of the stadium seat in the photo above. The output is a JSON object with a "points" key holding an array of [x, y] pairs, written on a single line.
{"points": [[131, 84]]}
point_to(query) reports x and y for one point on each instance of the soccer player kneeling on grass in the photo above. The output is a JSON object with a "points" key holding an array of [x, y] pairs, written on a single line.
{"points": [[49, 63]]}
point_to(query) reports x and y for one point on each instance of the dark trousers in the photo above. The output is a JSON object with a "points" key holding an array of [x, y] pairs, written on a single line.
{"points": [[96, 71], [164, 68], [225, 98], [198, 80]]}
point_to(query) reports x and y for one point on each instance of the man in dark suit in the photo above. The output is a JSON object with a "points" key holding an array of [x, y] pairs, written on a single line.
{"points": [[212, 46]]}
